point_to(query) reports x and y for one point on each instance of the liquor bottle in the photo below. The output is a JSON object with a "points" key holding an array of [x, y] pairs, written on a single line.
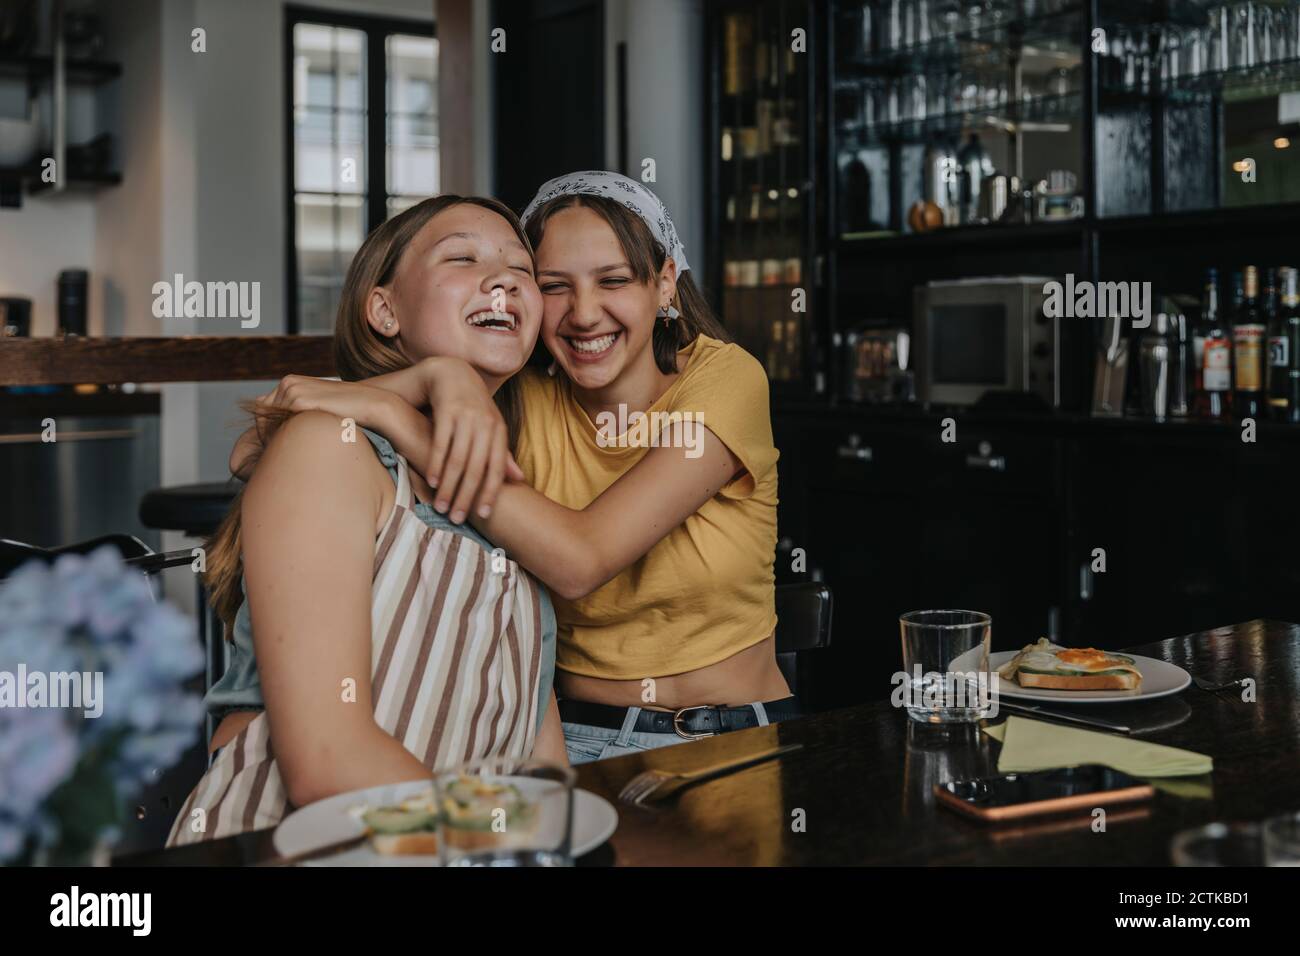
{"points": [[1213, 348], [1268, 316], [1209, 311], [1284, 351], [1248, 332]]}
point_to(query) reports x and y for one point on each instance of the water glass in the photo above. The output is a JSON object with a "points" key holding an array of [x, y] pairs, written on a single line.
{"points": [[1282, 840], [1195, 44], [944, 655], [1243, 36], [1220, 39], [506, 811], [1219, 844]]}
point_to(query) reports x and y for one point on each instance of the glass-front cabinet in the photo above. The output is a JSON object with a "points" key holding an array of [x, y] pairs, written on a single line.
{"points": [[858, 149], [762, 196], [952, 113], [1199, 105]]}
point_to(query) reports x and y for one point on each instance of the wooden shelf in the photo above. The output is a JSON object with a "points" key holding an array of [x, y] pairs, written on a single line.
{"points": [[188, 358], [78, 71], [1225, 217], [991, 234]]}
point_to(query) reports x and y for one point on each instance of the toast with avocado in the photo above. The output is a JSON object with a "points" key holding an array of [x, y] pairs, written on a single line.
{"points": [[409, 828]]}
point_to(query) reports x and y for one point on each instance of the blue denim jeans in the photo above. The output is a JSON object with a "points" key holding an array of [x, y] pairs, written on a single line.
{"points": [[586, 743]]}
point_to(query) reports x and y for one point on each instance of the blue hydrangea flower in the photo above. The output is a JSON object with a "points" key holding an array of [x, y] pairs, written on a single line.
{"points": [[90, 614]]}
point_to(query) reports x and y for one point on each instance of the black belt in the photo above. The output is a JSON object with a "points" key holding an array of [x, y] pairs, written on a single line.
{"points": [[689, 722]]}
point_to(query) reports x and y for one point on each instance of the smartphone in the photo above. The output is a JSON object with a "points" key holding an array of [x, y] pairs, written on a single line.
{"points": [[1013, 796]]}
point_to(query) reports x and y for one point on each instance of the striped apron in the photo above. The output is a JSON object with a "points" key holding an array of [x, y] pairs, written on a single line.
{"points": [[458, 638]]}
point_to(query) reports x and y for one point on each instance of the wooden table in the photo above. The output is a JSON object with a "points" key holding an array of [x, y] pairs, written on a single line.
{"points": [[859, 792]]}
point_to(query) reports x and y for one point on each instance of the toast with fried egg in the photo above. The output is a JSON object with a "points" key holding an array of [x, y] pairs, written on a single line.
{"points": [[1051, 667]]}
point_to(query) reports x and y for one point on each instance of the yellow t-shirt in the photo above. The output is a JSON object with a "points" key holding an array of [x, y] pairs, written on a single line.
{"points": [[704, 592]]}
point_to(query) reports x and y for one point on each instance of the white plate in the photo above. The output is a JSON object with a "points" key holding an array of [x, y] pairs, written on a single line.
{"points": [[328, 821], [1159, 679]]}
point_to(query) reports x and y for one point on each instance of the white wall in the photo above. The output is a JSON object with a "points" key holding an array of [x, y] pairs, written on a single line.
{"points": [[39, 241], [201, 148], [129, 221], [665, 102]]}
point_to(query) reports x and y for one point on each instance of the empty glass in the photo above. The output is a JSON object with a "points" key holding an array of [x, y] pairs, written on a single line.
{"points": [[1219, 844], [1220, 39], [1282, 840], [1243, 37], [945, 664]]}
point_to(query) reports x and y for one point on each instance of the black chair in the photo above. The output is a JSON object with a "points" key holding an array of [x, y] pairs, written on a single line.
{"points": [[196, 511], [15, 553], [803, 627]]}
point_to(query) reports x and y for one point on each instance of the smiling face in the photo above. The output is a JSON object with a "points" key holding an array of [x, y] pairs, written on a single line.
{"points": [[598, 317], [464, 288]]}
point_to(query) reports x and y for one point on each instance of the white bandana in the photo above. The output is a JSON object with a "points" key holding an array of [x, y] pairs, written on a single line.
{"points": [[627, 191]]}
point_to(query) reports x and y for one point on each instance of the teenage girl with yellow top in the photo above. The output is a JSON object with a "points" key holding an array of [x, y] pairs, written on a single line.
{"points": [[657, 541]]}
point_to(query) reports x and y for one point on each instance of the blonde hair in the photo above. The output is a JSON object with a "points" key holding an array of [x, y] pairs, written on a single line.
{"points": [[359, 352]]}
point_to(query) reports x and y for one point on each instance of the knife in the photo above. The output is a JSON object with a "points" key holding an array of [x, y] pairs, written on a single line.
{"points": [[329, 849], [1068, 718]]}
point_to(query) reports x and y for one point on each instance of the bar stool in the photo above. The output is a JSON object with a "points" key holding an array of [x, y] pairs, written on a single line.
{"points": [[196, 510]]}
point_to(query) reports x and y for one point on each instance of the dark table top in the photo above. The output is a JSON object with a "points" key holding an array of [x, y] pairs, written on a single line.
{"points": [[860, 790]]}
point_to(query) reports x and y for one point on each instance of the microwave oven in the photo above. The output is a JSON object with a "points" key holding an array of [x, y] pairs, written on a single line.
{"points": [[974, 336]]}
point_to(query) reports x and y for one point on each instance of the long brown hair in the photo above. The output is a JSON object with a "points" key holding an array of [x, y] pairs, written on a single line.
{"points": [[646, 256], [359, 352]]}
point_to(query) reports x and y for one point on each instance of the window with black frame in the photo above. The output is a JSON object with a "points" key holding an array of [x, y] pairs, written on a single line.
{"points": [[362, 134]]}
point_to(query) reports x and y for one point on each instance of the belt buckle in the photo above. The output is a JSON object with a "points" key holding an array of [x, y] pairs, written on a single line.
{"points": [[677, 716]]}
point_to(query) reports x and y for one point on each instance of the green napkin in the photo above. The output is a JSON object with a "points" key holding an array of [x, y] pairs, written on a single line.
{"points": [[1039, 745]]}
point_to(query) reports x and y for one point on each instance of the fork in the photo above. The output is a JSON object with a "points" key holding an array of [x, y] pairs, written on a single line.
{"points": [[655, 785], [1214, 688]]}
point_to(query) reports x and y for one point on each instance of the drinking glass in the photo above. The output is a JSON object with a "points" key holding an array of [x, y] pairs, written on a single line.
{"points": [[1194, 48], [1290, 27], [1243, 36], [1270, 34], [923, 18], [505, 811], [875, 108], [944, 652], [1282, 840], [945, 18], [1220, 39], [1218, 844], [891, 26], [916, 99], [1171, 43]]}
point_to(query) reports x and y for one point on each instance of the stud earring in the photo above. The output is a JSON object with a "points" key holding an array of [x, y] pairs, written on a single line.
{"points": [[550, 370], [388, 325]]}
